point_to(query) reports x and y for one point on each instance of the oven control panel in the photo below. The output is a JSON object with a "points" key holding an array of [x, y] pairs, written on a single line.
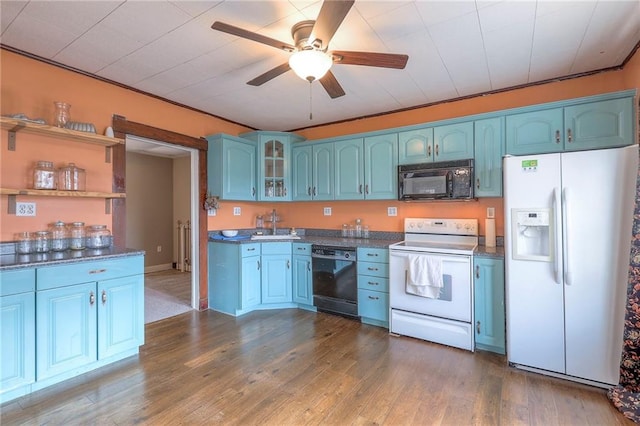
{"points": [[441, 226]]}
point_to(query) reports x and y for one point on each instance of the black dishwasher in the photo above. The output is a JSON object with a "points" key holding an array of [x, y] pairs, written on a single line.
{"points": [[335, 280]]}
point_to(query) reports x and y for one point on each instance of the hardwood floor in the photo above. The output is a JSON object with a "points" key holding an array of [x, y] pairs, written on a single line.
{"points": [[291, 367], [172, 282]]}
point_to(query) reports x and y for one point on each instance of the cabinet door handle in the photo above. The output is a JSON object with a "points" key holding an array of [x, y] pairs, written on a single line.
{"points": [[308, 266], [437, 150], [104, 297], [360, 189], [314, 191], [97, 271], [478, 327], [372, 283], [366, 189], [309, 190], [92, 298], [569, 136], [285, 191], [478, 183], [288, 264], [557, 136], [477, 272], [428, 150], [374, 297]]}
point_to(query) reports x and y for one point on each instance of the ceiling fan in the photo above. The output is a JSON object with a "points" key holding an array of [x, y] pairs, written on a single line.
{"points": [[310, 59]]}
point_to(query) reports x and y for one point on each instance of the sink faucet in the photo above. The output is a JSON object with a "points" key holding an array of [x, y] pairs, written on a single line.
{"points": [[274, 221]]}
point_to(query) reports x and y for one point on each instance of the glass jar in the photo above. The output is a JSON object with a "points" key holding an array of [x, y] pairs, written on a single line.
{"points": [[24, 243], [42, 241], [345, 230], [77, 236], [365, 231], [358, 228], [44, 175], [71, 178], [61, 115], [98, 236], [59, 236]]}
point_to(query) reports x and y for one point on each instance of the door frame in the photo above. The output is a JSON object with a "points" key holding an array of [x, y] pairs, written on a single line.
{"points": [[123, 127]]}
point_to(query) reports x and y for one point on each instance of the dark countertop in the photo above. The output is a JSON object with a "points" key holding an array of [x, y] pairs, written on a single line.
{"points": [[493, 252], [15, 261], [320, 240]]}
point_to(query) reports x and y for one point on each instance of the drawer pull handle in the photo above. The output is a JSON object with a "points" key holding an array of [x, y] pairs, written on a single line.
{"points": [[104, 297], [251, 249], [97, 271], [374, 297], [92, 298], [373, 283], [372, 269], [372, 254]]}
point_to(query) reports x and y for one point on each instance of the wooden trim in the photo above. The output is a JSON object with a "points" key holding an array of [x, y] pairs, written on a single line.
{"points": [[61, 193], [123, 127]]}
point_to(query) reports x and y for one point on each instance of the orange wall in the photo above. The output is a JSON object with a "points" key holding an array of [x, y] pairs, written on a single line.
{"points": [[30, 87]]}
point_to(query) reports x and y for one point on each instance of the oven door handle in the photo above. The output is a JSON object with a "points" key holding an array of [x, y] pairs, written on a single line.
{"points": [[445, 257], [322, 256]]}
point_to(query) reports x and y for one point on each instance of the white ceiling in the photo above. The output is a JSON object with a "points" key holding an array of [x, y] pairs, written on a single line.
{"points": [[455, 48]]}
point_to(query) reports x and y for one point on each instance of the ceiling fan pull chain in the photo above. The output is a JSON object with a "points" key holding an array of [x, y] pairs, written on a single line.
{"points": [[310, 101]]}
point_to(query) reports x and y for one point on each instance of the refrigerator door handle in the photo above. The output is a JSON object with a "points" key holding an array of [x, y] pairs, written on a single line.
{"points": [[556, 214], [565, 252]]}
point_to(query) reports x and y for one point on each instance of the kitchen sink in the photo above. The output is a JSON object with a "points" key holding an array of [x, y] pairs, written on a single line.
{"points": [[275, 237]]}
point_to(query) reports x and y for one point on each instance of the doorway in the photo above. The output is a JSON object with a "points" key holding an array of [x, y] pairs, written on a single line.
{"points": [[162, 197]]}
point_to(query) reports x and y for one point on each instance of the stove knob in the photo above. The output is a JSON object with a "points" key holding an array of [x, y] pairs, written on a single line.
{"points": [[420, 224], [346, 255], [458, 226], [412, 225]]}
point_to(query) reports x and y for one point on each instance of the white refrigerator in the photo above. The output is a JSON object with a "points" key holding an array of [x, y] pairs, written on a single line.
{"points": [[568, 221]]}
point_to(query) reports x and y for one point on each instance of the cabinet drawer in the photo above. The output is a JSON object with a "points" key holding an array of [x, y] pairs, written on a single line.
{"points": [[373, 304], [373, 255], [372, 268], [302, 248], [276, 248], [84, 272], [17, 281], [250, 250], [369, 282]]}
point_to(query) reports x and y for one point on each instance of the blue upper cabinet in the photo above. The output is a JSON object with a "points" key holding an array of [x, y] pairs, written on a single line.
{"points": [[380, 167], [591, 125], [274, 168], [488, 152], [312, 172], [599, 124], [415, 146], [349, 169], [453, 142], [231, 168], [536, 132]]}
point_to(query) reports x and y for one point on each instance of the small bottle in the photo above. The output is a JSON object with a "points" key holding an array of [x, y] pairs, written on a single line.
{"points": [[44, 175], [358, 228], [77, 236], [42, 241], [59, 236]]}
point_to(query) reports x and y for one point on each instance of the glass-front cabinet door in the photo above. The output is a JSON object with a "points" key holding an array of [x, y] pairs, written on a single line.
{"points": [[274, 184]]}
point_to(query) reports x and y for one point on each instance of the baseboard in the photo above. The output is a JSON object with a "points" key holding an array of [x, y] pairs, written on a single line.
{"points": [[157, 268]]}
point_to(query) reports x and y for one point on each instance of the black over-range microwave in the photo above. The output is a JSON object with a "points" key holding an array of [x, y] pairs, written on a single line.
{"points": [[447, 180]]}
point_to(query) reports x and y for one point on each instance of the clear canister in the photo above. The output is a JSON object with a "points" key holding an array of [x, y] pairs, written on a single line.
{"points": [[44, 175], [42, 241], [71, 178], [77, 236], [24, 243], [59, 236], [98, 236]]}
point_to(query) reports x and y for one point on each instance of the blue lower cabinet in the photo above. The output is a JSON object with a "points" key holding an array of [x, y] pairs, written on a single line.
{"points": [[373, 286], [302, 284], [18, 337], [276, 273], [489, 304]]}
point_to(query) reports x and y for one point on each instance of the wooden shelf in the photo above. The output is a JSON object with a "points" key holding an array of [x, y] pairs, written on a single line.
{"points": [[54, 193], [15, 125]]}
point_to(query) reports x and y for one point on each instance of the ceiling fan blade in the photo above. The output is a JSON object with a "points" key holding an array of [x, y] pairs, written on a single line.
{"points": [[230, 29], [269, 75], [331, 85], [331, 15], [371, 59]]}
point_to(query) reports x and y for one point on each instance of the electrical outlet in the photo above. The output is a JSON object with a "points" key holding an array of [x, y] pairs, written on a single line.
{"points": [[327, 211], [159, 249], [491, 212], [211, 212], [25, 209], [392, 211], [237, 211]]}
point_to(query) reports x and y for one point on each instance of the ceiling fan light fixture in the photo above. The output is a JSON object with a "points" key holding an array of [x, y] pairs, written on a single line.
{"points": [[310, 64]]}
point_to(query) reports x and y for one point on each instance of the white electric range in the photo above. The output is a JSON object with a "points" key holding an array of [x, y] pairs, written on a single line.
{"points": [[445, 317]]}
